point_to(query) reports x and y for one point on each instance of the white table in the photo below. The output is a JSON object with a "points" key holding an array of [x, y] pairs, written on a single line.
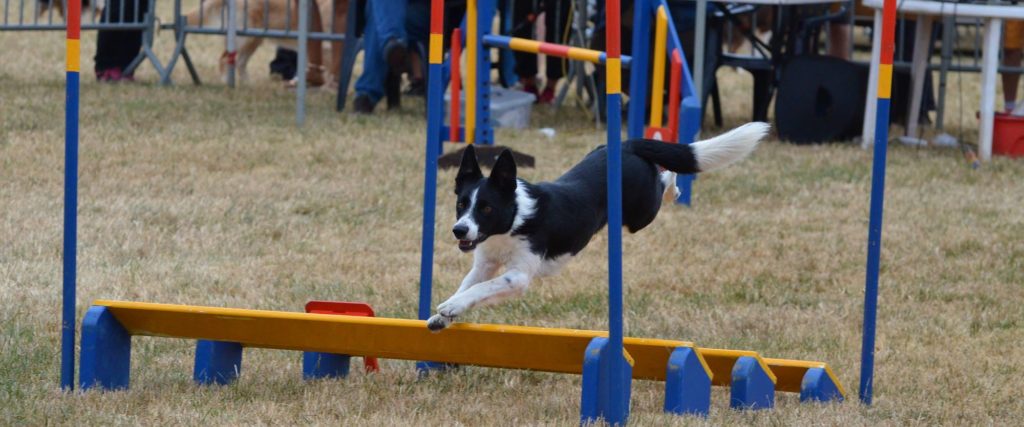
{"points": [[926, 11]]}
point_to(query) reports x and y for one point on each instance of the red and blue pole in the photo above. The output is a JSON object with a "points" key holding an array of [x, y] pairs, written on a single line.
{"points": [[867, 361], [67, 328]]}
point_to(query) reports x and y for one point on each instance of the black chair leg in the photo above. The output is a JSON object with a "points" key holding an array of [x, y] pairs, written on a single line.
{"points": [[762, 93]]}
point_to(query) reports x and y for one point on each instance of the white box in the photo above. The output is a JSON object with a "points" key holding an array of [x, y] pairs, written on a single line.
{"points": [[509, 108]]}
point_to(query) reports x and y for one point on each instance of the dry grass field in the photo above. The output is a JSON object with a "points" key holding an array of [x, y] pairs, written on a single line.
{"points": [[208, 196]]}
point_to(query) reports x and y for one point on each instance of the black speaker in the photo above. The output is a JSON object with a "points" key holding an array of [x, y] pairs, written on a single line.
{"points": [[820, 99]]}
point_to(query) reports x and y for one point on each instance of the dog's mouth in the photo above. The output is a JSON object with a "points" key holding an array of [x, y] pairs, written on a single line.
{"points": [[469, 245]]}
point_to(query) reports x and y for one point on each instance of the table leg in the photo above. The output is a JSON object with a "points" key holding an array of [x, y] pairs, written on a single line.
{"points": [[922, 46], [990, 64], [868, 133]]}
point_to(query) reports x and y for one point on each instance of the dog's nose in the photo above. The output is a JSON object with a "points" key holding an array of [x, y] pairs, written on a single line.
{"points": [[460, 231]]}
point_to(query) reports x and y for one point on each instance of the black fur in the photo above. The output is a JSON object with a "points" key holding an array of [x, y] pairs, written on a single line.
{"points": [[571, 209], [495, 207]]}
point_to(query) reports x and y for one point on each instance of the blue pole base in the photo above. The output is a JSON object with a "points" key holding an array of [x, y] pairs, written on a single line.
{"points": [[817, 386], [316, 365], [687, 384], [106, 351], [752, 388], [217, 362], [607, 377]]}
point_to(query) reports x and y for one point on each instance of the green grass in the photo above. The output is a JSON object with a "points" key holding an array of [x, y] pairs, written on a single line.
{"points": [[209, 196]]}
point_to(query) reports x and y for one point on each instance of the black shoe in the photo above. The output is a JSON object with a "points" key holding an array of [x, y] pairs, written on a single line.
{"points": [[284, 64], [362, 105], [395, 53], [393, 90], [417, 87]]}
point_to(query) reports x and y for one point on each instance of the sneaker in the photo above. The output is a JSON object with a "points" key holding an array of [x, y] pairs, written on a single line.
{"points": [[362, 104]]}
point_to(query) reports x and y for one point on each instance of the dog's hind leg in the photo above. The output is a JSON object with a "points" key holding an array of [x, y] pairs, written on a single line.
{"points": [[668, 179]]}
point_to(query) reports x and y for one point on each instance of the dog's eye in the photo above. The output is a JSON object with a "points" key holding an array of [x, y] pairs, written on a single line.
{"points": [[460, 205], [486, 209]]}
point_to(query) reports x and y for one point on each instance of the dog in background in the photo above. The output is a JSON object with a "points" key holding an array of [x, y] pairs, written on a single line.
{"points": [[276, 15], [533, 230]]}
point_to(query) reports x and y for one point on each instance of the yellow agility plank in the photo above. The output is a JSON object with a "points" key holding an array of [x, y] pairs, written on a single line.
{"points": [[790, 374], [721, 362], [500, 346]]}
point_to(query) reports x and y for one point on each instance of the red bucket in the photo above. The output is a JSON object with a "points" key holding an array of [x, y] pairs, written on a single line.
{"points": [[1008, 136]]}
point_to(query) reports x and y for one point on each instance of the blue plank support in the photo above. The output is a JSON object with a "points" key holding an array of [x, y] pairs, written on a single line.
{"points": [[687, 384], [106, 351], [217, 362], [752, 388], [316, 365], [606, 384], [817, 386]]}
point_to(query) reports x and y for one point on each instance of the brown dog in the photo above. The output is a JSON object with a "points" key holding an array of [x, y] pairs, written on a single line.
{"points": [[277, 15]]}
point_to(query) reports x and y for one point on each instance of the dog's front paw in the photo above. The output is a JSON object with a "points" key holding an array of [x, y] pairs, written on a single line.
{"points": [[452, 308], [438, 322]]}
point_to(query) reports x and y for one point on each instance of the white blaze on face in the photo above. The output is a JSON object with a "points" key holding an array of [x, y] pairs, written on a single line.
{"points": [[467, 219]]}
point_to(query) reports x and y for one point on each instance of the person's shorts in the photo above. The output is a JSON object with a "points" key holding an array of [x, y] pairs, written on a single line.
{"points": [[1013, 35]]}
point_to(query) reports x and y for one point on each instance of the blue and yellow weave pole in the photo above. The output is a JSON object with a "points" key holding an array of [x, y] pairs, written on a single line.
{"points": [[67, 328], [607, 368], [867, 360], [435, 113]]}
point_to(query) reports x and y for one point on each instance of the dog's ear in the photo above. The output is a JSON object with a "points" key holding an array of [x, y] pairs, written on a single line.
{"points": [[469, 171], [504, 173]]}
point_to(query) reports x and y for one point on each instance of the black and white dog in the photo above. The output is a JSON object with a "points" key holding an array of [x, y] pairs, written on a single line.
{"points": [[535, 229]]}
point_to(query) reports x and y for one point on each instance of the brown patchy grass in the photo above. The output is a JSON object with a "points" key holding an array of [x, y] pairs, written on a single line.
{"points": [[203, 195]]}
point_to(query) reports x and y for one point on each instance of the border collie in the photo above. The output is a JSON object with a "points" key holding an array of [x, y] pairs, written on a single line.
{"points": [[535, 229]]}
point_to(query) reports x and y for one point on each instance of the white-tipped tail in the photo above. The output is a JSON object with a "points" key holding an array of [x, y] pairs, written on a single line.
{"points": [[727, 148]]}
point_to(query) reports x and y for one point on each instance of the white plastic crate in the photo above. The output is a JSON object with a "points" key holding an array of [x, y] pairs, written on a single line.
{"points": [[509, 108]]}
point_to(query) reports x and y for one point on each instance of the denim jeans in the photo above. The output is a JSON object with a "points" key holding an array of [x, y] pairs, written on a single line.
{"points": [[405, 20]]}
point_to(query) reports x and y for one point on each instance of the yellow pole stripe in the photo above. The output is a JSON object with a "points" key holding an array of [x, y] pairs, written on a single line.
{"points": [[658, 86], [472, 38], [884, 81], [436, 48], [72, 55], [588, 55], [614, 67], [524, 45]]}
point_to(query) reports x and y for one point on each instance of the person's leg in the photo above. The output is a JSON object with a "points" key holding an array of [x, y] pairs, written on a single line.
{"points": [[115, 50], [839, 40], [370, 84], [417, 28], [314, 48], [1013, 42], [526, 63], [556, 22], [390, 26]]}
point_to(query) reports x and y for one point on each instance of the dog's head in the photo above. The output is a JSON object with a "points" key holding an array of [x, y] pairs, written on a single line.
{"points": [[484, 206]]}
